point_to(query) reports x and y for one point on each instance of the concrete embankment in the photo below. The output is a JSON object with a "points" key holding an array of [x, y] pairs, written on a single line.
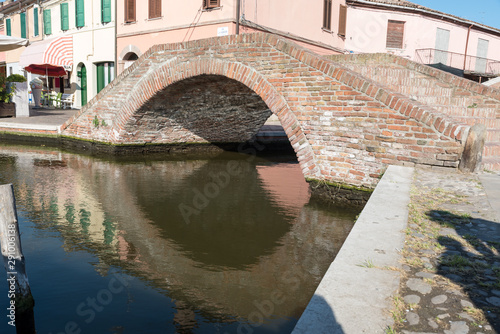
{"points": [[355, 293]]}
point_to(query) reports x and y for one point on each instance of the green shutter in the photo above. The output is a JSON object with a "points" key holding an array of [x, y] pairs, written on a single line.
{"points": [[64, 16], [47, 24], [23, 24], [9, 31], [100, 77], [35, 21], [105, 11], [80, 13]]}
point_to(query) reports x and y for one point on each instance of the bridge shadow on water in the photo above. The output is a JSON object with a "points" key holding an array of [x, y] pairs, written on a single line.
{"points": [[471, 261]]}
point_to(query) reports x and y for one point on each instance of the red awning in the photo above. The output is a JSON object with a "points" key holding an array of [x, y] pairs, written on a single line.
{"points": [[52, 57]]}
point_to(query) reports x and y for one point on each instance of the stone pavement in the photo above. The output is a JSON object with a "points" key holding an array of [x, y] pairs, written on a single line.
{"points": [[43, 119], [451, 262]]}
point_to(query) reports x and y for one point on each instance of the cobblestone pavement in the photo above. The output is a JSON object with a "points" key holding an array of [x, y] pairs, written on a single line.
{"points": [[451, 271]]}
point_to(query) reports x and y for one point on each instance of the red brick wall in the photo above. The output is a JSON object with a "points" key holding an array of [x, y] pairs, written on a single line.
{"points": [[343, 127], [463, 100]]}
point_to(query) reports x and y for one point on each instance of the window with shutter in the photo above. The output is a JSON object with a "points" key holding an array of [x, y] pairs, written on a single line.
{"points": [[80, 13], [208, 4], [105, 11], [35, 21], [64, 16], [23, 24], [129, 10], [327, 14], [154, 8], [47, 24], [395, 34], [342, 20], [8, 27]]}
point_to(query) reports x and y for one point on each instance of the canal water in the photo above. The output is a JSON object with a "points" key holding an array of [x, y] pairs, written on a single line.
{"points": [[230, 243]]}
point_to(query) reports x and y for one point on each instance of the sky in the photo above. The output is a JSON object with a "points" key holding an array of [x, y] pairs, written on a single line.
{"points": [[482, 11]]}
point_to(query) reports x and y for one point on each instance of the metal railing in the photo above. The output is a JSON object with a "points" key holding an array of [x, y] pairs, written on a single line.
{"points": [[470, 64]]}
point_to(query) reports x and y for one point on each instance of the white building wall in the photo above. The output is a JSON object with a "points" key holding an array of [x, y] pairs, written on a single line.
{"points": [[367, 33], [93, 43]]}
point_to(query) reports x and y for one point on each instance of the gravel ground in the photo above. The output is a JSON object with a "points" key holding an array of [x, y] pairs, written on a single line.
{"points": [[451, 262]]}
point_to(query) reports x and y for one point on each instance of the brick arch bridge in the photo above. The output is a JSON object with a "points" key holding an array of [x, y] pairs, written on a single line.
{"points": [[343, 127]]}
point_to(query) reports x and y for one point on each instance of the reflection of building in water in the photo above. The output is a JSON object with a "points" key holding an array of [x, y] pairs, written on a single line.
{"points": [[276, 179], [125, 214], [63, 192]]}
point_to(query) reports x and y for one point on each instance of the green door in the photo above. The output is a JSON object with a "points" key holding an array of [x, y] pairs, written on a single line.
{"points": [[84, 85]]}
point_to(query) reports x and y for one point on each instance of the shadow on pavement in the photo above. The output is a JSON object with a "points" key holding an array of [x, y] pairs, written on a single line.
{"points": [[318, 318], [471, 260]]}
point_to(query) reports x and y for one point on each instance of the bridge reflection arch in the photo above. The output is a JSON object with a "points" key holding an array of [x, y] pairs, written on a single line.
{"points": [[165, 85]]}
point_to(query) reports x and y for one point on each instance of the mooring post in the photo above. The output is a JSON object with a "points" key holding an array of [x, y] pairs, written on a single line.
{"points": [[20, 311]]}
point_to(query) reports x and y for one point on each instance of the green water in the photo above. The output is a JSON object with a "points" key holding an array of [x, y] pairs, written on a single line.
{"points": [[226, 244]]}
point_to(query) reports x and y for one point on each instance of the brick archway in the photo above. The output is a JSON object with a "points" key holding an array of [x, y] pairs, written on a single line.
{"points": [[343, 127], [175, 71]]}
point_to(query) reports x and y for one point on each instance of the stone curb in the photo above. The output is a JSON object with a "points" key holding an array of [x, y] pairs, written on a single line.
{"points": [[354, 296]]}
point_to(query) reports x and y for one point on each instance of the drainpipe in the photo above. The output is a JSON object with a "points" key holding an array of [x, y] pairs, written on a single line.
{"points": [[238, 17], [116, 39], [467, 45]]}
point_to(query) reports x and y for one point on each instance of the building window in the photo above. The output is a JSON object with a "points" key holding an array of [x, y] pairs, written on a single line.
{"points": [[47, 24], [208, 4], [105, 11], [327, 14], [129, 11], [342, 20], [23, 24], [35, 21], [395, 34], [80, 13], [8, 27], [154, 9], [64, 17]]}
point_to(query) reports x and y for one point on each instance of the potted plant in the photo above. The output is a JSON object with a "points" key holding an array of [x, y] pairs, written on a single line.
{"points": [[7, 91], [7, 108]]}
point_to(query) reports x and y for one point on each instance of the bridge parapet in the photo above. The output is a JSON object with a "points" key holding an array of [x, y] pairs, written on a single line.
{"points": [[344, 127], [463, 100]]}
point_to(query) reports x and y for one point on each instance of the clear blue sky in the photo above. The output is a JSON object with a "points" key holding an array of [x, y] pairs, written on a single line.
{"points": [[483, 11]]}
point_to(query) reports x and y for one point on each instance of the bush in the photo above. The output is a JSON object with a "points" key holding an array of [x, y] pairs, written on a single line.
{"points": [[5, 95], [15, 78]]}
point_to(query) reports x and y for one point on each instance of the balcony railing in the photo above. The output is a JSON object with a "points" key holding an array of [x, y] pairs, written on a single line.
{"points": [[470, 65]]}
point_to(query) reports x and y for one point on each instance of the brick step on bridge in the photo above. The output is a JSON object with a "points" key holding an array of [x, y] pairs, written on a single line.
{"points": [[463, 100], [344, 127]]}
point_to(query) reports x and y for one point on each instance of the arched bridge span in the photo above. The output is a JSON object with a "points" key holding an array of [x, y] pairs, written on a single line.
{"points": [[343, 127]]}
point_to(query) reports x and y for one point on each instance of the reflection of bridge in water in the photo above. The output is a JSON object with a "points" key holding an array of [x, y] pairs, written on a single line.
{"points": [[119, 211]]}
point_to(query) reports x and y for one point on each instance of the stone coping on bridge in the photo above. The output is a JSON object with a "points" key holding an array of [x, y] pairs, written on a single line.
{"points": [[354, 295]]}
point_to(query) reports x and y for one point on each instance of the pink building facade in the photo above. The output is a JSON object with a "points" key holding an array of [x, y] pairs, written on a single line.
{"points": [[315, 24], [422, 34]]}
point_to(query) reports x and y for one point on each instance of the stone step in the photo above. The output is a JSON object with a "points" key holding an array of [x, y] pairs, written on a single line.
{"points": [[423, 91], [469, 102], [464, 111], [491, 149], [493, 135], [490, 123], [384, 73], [271, 133], [491, 163]]}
